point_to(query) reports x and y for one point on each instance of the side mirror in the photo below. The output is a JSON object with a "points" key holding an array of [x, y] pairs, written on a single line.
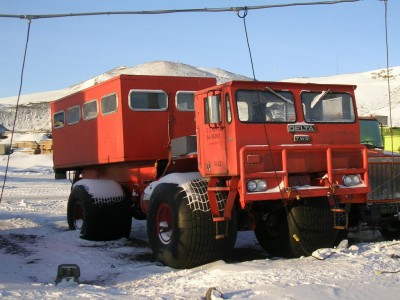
{"points": [[213, 109]]}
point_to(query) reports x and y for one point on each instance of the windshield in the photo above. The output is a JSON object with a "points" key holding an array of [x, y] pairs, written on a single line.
{"points": [[327, 107], [265, 106], [370, 133]]}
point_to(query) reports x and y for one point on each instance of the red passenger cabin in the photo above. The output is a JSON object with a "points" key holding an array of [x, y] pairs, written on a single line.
{"points": [[129, 118]]}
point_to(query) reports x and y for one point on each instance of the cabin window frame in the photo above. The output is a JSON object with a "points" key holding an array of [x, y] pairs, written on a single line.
{"points": [[86, 104], [55, 122], [105, 113], [73, 115], [177, 98], [144, 91]]}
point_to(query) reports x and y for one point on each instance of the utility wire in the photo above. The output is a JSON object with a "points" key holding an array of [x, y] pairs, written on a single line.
{"points": [[171, 11], [247, 39], [389, 99], [16, 108], [387, 71], [297, 239]]}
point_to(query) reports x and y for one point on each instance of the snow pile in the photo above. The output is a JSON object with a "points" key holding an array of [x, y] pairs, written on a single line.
{"points": [[34, 110], [35, 240], [101, 189], [372, 93], [30, 117], [160, 68]]}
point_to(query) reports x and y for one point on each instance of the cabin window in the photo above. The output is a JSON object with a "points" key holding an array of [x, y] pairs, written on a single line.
{"points": [[73, 115], [90, 110], [59, 119], [243, 111], [327, 107], [148, 100], [184, 101], [267, 106], [228, 108], [109, 104], [212, 109], [370, 131]]}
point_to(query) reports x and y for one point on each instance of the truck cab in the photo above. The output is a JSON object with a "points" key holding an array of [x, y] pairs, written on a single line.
{"points": [[295, 140], [381, 210]]}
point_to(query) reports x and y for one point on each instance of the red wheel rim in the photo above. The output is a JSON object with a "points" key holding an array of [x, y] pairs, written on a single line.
{"points": [[164, 223], [78, 216]]}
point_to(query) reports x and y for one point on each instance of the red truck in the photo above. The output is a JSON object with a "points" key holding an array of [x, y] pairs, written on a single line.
{"points": [[201, 161], [382, 208]]}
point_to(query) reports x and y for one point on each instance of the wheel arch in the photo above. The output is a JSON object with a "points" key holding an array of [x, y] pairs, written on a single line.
{"points": [[182, 236], [103, 207], [179, 179], [101, 188]]}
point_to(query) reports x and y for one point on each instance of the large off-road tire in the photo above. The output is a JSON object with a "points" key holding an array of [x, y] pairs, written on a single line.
{"points": [[297, 230], [342, 234], [391, 230], [97, 222], [181, 237]]}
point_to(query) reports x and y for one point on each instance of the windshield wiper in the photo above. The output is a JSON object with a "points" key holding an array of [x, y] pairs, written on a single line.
{"points": [[371, 145], [318, 97], [279, 95]]}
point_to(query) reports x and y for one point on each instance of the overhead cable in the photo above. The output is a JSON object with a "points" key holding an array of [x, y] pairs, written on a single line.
{"points": [[388, 72], [172, 11], [16, 109]]}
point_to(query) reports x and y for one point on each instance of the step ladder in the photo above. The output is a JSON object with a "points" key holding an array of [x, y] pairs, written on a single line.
{"points": [[340, 215], [222, 221]]}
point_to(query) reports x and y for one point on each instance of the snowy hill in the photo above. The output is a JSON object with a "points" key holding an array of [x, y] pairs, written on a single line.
{"points": [[371, 93], [161, 68], [34, 112]]}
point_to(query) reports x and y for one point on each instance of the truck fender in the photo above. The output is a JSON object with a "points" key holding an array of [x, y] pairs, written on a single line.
{"points": [[102, 207], [104, 191], [181, 179]]}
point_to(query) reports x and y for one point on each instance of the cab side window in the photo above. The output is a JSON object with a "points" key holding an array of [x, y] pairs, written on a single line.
{"points": [[109, 104], [185, 101], [90, 110], [73, 115], [59, 119], [148, 100]]}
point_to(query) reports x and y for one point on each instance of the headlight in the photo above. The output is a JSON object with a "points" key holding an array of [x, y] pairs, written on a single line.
{"points": [[351, 180], [261, 185], [347, 181], [356, 179], [256, 185], [251, 185]]}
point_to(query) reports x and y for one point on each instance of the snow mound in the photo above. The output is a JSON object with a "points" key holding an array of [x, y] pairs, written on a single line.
{"points": [[372, 93], [159, 68], [34, 110]]}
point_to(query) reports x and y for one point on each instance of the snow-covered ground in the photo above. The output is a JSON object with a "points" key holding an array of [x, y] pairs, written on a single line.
{"points": [[34, 236], [34, 240]]}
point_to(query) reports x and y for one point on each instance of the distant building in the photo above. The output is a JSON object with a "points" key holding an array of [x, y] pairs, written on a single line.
{"points": [[2, 129], [382, 119]]}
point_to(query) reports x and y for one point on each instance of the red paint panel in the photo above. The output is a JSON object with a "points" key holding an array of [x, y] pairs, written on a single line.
{"points": [[125, 135]]}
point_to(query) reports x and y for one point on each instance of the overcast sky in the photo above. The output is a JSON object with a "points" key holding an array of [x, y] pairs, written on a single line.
{"points": [[300, 41]]}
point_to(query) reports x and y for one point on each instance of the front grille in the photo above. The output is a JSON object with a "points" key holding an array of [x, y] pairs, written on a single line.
{"points": [[384, 179]]}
